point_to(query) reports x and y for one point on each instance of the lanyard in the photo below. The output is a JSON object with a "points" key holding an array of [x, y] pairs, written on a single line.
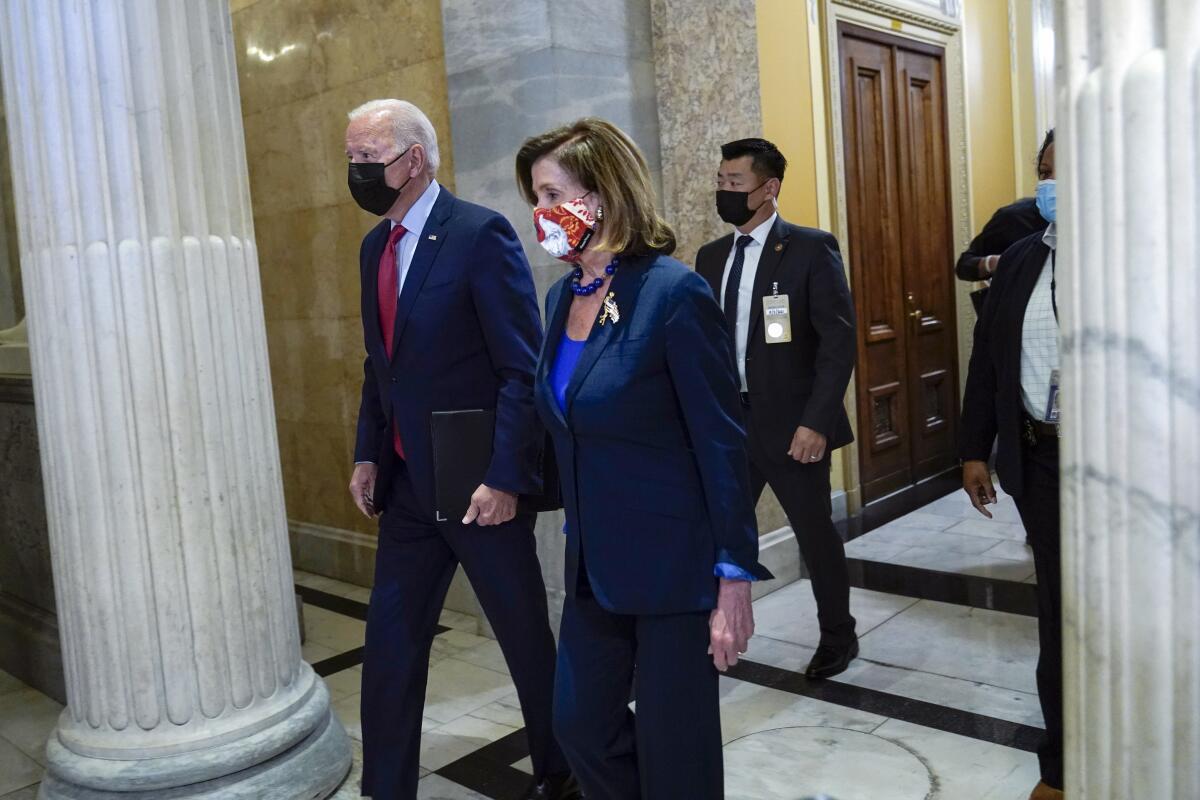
{"points": [[1054, 281]]}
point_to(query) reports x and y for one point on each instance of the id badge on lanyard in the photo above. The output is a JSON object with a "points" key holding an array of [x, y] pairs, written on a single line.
{"points": [[1052, 401], [777, 317]]}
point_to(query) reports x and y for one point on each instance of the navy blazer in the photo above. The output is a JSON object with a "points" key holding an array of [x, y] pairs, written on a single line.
{"points": [[992, 409], [467, 336], [651, 448]]}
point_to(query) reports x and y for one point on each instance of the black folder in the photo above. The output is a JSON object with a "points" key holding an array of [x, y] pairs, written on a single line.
{"points": [[462, 452]]}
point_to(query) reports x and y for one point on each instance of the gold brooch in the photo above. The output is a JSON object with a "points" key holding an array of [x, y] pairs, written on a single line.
{"points": [[611, 312]]}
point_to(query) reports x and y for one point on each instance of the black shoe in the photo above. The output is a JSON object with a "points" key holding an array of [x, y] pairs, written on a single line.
{"points": [[554, 787], [830, 660]]}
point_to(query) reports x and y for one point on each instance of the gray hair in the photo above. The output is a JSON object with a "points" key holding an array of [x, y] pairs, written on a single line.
{"points": [[409, 126]]}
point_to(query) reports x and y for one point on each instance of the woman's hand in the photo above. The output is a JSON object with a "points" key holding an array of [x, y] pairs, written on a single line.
{"points": [[731, 624], [977, 483]]}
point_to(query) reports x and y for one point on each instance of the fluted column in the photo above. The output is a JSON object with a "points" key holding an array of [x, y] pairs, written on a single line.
{"points": [[1129, 111], [155, 416]]}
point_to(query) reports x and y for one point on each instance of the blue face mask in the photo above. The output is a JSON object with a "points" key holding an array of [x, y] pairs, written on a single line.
{"points": [[1046, 199]]}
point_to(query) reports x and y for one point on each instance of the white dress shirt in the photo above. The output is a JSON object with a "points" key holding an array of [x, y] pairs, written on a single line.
{"points": [[1039, 337], [745, 290], [414, 224]]}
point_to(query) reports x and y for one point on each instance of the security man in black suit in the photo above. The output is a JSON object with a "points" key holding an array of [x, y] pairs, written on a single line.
{"points": [[1011, 401], [786, 300], [1008, 225]]}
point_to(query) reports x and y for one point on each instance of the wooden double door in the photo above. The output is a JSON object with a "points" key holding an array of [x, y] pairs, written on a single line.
{"points": [[901, 260]]}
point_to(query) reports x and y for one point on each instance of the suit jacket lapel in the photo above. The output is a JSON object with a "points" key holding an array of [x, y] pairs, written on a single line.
{"points": [[713, 270], [432, 238], [624, 287], [555, 325], [768, 263], [370, 279], [1023, 286]]}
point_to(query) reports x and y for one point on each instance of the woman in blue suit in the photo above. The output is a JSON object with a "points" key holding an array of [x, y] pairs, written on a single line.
{"points": [[636, 384]]}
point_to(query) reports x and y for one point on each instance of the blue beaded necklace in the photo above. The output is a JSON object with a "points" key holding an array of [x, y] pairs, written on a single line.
{"points": [[593, 287]]}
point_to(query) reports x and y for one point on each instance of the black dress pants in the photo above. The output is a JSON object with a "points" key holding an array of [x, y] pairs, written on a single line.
{"points": [[803, 491], [1039, 510], [413, 566]]}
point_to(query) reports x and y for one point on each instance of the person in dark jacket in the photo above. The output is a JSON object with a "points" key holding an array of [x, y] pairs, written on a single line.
{"points": [[1011, 400], [1008, 225], [794, 366]]}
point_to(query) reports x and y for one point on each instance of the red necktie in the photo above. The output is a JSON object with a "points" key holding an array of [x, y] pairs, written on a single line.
{"points": [[389, 296]]}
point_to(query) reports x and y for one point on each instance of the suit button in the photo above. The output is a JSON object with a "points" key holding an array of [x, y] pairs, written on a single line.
{"points": [[395, 380]]}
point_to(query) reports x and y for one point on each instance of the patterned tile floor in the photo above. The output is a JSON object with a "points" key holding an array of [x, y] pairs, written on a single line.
{"points": [[941, 704]]}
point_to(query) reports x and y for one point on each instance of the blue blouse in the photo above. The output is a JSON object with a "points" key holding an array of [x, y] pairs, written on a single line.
{"points": [[565, 362]]}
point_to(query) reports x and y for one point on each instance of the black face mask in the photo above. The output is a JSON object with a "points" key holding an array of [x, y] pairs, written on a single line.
{"points": [[368, 186], [734, 207]]}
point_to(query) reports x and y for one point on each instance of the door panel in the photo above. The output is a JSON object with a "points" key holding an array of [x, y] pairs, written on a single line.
{"points": [[929, 256], [901, 258], [868, 95]]}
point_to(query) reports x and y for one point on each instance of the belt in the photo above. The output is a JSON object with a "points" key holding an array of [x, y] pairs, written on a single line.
{"points": [[1036, 430]]}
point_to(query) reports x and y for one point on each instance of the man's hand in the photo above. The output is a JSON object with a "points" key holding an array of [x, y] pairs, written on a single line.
{"points": [[731, 624], [362, 488], [491, 507], [807, 445], [988, 266], [977, 483]]}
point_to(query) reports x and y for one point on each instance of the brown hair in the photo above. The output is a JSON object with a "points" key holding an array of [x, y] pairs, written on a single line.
{"points": [[604, 159]]}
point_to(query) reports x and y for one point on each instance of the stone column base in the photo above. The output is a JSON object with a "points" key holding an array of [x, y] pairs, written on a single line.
{"points": [[310, 770]]}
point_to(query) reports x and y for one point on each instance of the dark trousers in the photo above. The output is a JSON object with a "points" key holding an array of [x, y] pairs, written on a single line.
{"points": [[803, 491], [1039, 510], [413, 567], [672, 748]]}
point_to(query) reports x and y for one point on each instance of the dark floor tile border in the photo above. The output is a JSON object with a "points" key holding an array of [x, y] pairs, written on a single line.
{"points": [[343, 605], [886, 704], [333, 602], [976, 591], [489, 770], [342, 661]]}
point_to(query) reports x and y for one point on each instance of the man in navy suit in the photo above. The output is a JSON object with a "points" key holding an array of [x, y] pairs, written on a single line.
{"points": [[450, 322]]}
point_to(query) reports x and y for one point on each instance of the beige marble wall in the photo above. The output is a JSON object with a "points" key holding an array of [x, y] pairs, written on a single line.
{"points": [[706, 70], [302, 65], [707, 77]]}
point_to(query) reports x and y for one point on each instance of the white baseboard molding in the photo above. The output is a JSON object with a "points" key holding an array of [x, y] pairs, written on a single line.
{"points": [[29, 646]]}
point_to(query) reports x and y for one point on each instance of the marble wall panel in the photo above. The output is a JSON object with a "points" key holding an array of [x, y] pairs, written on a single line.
{"points": [[706, 64], [523, 68], [29, 647], [496, 107], [24, 546], [302, 65], [12, 304]]}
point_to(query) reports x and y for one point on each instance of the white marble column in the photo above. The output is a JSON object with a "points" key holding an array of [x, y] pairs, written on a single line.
{"points": [[155, 416], [1128, 136]]}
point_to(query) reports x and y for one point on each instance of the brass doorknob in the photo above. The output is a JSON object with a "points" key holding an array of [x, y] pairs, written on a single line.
{"points": [[916, 314]]}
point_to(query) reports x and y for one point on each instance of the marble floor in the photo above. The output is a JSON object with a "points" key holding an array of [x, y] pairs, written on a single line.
{"points": [[941, 704]]}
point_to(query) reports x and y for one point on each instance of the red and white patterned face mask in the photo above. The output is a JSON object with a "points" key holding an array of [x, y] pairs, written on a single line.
{"points": [[565, 230]]}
